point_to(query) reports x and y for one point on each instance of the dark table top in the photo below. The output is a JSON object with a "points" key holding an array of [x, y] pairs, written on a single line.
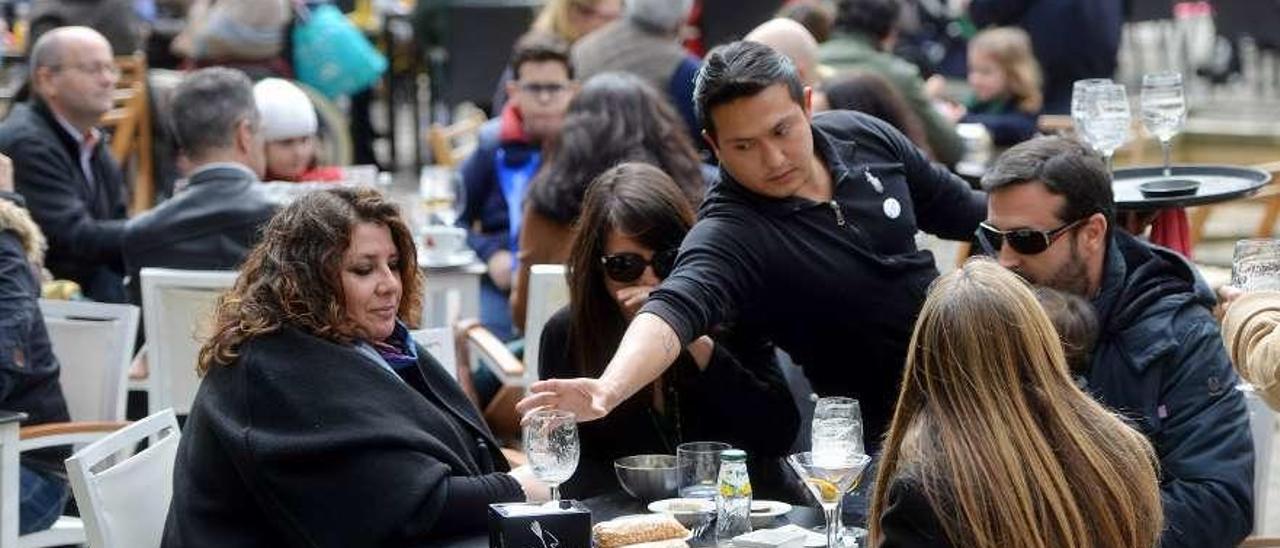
{"points": [[612, 505]]}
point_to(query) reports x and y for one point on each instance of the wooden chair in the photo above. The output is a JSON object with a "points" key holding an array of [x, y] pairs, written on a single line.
{"points": [[451, 144], [1269, 195], [130, 126]]}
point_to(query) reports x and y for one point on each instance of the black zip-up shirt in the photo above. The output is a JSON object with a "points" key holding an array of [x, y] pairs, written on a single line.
{"points": [[836, 284]]}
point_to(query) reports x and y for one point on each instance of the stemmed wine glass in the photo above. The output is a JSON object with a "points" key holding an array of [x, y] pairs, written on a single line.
{"points": [[828, 476], [1108, 121], [1164, 109], [837, 428], [551, 445], [1082, 105]]}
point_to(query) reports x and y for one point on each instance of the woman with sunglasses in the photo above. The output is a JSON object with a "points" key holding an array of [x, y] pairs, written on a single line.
{"points": [[633, 219]]}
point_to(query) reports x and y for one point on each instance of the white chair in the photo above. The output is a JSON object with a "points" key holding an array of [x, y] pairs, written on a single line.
{"points": [[94, 345], [177, 306], [548, 293], [451, 294], [439, 343], [1262, 423], [124, 496]]}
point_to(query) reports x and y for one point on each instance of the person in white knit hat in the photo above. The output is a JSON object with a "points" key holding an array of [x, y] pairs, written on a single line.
{"points": [[289, 128]]}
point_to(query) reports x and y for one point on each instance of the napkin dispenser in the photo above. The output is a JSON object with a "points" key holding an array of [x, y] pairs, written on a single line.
{"points": [[535, 525]]}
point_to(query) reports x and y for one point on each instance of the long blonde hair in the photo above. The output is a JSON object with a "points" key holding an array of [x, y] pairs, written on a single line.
{"points": [[554, 19], [1006, 449], [1011, 49]]}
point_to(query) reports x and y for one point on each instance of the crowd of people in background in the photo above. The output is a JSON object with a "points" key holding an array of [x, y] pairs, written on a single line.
{"points": [[726, 211]]}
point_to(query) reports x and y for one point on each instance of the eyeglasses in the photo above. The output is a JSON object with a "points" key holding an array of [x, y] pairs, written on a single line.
{"points": [[92, 68], [628, 267], [543, 91], [1025, 241]]}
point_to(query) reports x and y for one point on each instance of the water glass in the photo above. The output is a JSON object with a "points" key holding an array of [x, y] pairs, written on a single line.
{"points": [[837, 426], [1256, 265], [698, 464], [1082, 104], [551, 445], [1107, 125], [438, 189], [1164, 109]]}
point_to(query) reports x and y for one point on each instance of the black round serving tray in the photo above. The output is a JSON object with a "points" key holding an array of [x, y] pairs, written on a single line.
{"points": [[1217, 184]]}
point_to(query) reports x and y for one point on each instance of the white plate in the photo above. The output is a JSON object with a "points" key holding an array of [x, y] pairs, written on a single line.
{"points": [[690, 517], [763, 511], [453, 260]]}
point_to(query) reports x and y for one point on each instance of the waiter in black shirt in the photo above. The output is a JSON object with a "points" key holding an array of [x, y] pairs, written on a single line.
{"points": [[807, 240]]}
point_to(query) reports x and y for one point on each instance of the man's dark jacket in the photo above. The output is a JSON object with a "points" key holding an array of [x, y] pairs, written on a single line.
{"points": [[1160, 362], [84, 224], [211, 225]]}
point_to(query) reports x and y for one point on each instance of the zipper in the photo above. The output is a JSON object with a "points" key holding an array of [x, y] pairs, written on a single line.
{"points": [[839, 214]]}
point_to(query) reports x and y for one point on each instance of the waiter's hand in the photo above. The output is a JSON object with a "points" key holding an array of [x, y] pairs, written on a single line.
{"points": [[1226, 294], [588, 399], [1137, 222]]}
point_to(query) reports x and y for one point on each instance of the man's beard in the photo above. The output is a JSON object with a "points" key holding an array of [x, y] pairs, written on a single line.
{"points": [[1072, 278]]}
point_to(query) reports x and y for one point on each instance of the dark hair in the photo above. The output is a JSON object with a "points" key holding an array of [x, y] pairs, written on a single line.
{"points": [[741, 69], [538, 47], [208, 105], [1066, 167], [875, 18], [870, 93], [617, 117], [815, 15], [1076, 323], [294, 275], [638, 200]]}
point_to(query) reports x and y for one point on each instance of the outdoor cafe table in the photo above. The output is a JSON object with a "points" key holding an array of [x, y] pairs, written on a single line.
{"points": [[617, 504]]}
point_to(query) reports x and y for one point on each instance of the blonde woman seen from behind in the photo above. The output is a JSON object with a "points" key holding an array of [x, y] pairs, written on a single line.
{"points": [[991, 444]]}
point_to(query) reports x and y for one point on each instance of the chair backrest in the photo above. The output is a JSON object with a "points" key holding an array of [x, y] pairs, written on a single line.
{"points": [[1262, 424], [124, 500], [439, 342], [177, 306], [94, 345], [451, 144], [548, 292]]}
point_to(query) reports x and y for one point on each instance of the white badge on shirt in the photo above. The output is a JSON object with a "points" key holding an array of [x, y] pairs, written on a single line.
{"points": [[892, 208]]}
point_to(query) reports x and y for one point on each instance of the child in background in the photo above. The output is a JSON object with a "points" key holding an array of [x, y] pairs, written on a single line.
{"points": [[289, 127], [1077, 326], [1005, 78]]}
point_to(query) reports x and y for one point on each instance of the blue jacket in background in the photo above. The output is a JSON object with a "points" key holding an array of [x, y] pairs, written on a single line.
{"points": [[1007, 124], [1160, 363], [485, 209], [1072, 39]]}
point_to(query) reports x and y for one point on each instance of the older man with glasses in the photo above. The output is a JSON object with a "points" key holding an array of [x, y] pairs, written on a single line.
{"points": [[62, 166], [1159, 359]]}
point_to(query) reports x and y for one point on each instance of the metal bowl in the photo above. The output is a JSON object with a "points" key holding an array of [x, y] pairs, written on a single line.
{"points": [[648, 477]]}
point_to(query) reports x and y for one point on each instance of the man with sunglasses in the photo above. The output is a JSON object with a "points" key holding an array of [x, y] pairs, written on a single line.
{"points": [[1159, 359], [807, 241], [507, 155]]}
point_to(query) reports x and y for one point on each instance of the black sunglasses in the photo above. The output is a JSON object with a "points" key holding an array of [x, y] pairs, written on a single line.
{"points": [[627, 267], [1025, 241]]}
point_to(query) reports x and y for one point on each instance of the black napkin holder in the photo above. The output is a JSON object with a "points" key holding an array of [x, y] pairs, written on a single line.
{"points": [[529, 525]]}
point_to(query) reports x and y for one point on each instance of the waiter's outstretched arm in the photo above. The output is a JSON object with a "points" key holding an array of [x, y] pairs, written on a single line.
{"points": [[649, 346]]}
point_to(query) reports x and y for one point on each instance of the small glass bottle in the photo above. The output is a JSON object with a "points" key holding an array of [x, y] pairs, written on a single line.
{"points": [[733, 496]]}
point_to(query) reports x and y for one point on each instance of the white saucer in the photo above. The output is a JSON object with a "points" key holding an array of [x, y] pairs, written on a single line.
{"points": [[452, 260]]}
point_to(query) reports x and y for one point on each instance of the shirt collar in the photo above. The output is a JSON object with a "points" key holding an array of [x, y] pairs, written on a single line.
{"points": [[222, 165], [86, 140]]}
